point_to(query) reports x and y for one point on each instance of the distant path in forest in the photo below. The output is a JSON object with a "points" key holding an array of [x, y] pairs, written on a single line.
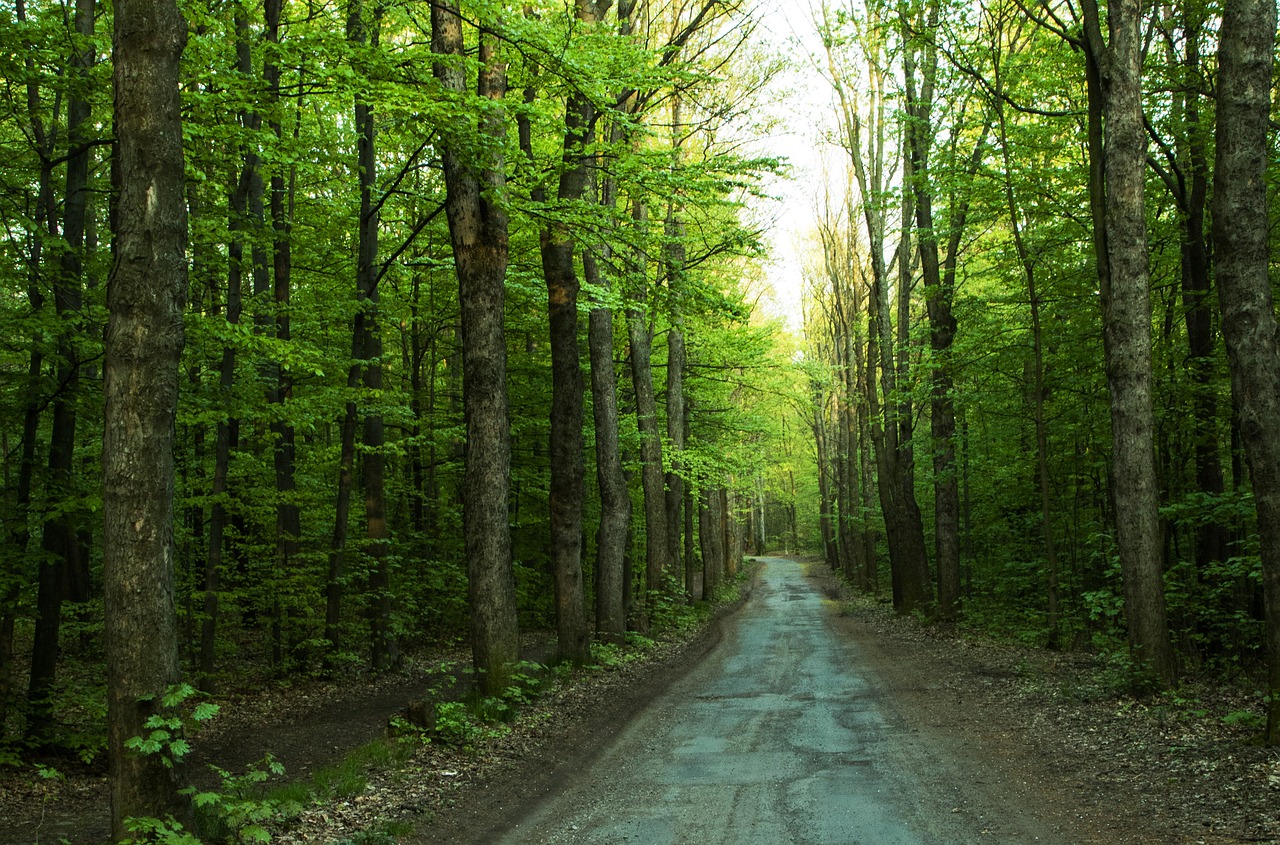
{"points": [[782, 735]]}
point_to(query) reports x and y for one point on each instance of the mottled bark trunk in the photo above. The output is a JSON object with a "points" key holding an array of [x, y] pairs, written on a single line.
{"points": [[615, 502], [145, 299], [478, 230], [1241, 242], [710, 536], [568, 487], [1126, 302], [674, 480], [657, 547]]}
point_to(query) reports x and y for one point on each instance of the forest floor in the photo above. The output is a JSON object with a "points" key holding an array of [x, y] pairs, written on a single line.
{"points": [[1097, 764]]}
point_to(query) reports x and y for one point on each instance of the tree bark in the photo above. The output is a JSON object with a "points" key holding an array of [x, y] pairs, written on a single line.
{"points": [[478, 229], [568, 470], [1240, 237], [615, 502], [710, 537], [1126, 304], [384, 652], [657, 545], [144, 340], [939, 293]]}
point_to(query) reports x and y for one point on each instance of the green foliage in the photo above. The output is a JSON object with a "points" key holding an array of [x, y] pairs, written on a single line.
{"points": [[669, 611], [1245, 719], [237, 813], [385, 832], [167, 730]]}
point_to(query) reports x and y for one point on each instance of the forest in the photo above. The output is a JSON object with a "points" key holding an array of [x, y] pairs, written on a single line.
{"points": [[335, 330]]}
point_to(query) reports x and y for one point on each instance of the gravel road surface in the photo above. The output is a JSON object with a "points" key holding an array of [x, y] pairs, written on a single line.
{"points": [[782, 737]]}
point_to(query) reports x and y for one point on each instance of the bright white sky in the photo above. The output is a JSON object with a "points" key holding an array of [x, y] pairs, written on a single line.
{"points": [[802, 100]]}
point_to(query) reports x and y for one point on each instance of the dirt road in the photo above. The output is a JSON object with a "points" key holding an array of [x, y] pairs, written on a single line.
{"points": [[781, 736]]}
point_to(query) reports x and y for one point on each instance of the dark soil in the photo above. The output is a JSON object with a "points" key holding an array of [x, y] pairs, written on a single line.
{"points": [[1106, 766]]}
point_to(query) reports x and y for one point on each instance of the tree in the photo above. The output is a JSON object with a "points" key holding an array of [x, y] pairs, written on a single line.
{"points": [[568, 471], [146, 295], [892, 432], [1240, 237], [64, 558], [615, 502], [1124, 277], [478, 228]]}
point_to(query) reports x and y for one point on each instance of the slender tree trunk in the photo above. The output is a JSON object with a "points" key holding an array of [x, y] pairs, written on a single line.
{"points": [[615, 501], [939, 293], [62, 560], [1241, 242], [145, 299], [335, 578], [288, 511], [227, 437], [1197, 302], [673, 259], [689, 515], [657, 544], [1039, 388], [710, 536], [908, 559], [384, 652], [20, 534], [568, 487], [827, 466], [675, 436], [478, 228]]}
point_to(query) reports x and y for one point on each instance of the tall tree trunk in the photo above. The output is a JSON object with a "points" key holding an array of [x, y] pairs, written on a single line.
{"points": [[827, 467], [1126, 304], [688, 513], [657, 544], [1197, 301], [478, 228], [710, 536], [384, 653], [675, 437], [145, 299], [227, 438], [568, 487], [615, 501], [673, 260], [62, 559], [939, 293], [288, 511], [1241, 242], [20, 533], [890, 434]]}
